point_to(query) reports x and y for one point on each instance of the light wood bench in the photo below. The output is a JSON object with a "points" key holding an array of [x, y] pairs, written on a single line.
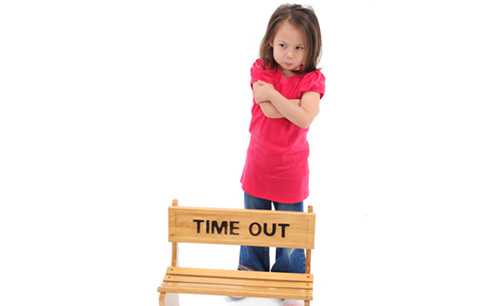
{"points": [[240, 227]]}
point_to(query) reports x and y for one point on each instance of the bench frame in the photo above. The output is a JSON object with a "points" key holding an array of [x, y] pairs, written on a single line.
{"points": [[239, 283]]}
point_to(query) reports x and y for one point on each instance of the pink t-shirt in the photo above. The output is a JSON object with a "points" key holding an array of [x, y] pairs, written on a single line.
{"points": [[276, 166]]}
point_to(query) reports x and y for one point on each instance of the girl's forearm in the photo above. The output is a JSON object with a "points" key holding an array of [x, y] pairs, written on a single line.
{"points": [[291, 111], [271, 112]]}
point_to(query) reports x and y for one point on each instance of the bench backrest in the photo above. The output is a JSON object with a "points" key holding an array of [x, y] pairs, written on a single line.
{"points": [[241, 227]]}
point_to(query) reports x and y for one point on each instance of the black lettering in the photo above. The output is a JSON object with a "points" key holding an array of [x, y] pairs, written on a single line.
{"points": [[233, 227], [259, 229], [266, 229], [198, 224], [219, 229], [283, 227]]}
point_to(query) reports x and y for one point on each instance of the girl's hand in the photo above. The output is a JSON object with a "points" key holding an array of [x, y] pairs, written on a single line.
{"points": [[262, 91]]}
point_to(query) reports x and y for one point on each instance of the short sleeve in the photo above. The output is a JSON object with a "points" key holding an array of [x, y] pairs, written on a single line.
{"points": [[313, 81], [260, 72]]}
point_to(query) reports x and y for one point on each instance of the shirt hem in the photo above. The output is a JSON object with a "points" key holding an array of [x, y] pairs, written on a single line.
{"points": [[275, 199]]}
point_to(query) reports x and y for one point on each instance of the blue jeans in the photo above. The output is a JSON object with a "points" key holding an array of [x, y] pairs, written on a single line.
{"points": [[257, 258]]}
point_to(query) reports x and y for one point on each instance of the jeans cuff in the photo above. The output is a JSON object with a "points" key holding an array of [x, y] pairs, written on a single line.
{"points": [[244, 268]]}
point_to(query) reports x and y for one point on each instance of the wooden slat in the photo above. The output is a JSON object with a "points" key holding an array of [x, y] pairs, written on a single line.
{"points": [[237, 281], [284, 228], [235, 290], [271, 276]]}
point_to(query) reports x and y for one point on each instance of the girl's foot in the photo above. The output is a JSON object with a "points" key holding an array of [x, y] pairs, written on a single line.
{"points": [[237, 298], [293, 303], [234, 298]]}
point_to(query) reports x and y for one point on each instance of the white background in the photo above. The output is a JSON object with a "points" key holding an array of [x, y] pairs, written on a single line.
{"points": [[110, 109]]}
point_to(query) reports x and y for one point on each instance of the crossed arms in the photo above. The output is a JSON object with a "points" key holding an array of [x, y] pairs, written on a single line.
{"points": [[273, 104]]}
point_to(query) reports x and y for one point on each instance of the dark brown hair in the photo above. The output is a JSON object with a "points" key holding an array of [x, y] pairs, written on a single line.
{"points": [[304, 19]]}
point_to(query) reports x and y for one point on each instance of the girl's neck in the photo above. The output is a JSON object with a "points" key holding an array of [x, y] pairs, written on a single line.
{"points": [[288, 73]]}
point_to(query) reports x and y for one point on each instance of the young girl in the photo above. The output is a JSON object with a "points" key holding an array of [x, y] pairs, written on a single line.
{"points": [[287, 88]]}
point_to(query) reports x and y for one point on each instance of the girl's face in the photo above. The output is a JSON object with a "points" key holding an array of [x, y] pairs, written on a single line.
{"points": [[289, 48]]}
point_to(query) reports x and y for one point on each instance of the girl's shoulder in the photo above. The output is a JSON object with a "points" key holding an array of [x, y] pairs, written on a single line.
{"points": [[314, 76], [312, 81], [260, 71], [260, 64]]}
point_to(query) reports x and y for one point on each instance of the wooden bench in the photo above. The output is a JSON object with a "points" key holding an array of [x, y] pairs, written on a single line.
{"points": [[239, 227]]}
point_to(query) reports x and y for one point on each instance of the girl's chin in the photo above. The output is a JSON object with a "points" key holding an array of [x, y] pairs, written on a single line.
{"points": [[290, 68]]}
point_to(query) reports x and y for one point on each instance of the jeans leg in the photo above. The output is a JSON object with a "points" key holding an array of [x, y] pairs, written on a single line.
{"points": [[289, 259], [254, 258]]}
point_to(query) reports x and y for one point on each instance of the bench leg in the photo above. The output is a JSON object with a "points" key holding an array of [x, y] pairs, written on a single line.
{"points": [[162, 299], [307, 303]]}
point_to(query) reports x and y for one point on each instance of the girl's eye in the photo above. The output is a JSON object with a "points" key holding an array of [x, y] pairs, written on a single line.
{"points": [[281, 45], [299, 48]]}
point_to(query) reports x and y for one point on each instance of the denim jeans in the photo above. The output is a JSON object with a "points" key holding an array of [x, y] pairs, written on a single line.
{"points": [[257, 258]]}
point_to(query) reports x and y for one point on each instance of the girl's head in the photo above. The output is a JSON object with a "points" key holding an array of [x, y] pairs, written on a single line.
{"points": [[292, 40]]}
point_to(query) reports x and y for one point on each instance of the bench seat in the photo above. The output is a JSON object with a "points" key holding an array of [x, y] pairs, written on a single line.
{"points": [[237, 283]]}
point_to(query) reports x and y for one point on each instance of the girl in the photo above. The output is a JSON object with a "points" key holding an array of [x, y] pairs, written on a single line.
{"points": [[287, 88]]}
